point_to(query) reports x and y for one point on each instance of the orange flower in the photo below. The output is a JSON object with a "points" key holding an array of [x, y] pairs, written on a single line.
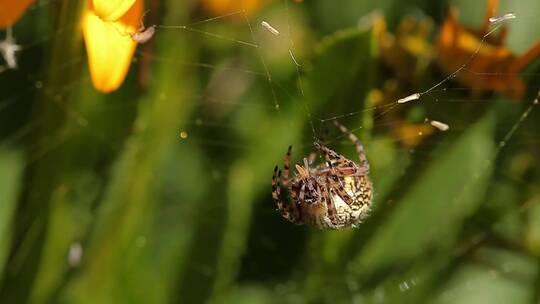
{"points": [[11, 11], [406, 51], [107, 26], [412, 134], [494, 66], [222, 7]]}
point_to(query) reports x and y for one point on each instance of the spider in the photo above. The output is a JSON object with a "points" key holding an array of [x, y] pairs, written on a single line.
{"points": [[334, 194], [143, 34]]}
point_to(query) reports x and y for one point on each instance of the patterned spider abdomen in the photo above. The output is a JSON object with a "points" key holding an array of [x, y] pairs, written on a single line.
{"points": [[308, 198], [334, 194], [359, 188]]}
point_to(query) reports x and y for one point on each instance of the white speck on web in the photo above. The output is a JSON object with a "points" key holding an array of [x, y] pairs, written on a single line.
{"points": [[8, 48], [411, 97], [439, 125], [269, 28], [75, 254], [293, 58], [404, 286], [502, 18]]}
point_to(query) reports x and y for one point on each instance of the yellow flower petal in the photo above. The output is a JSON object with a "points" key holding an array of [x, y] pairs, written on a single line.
{"points": [[111, 10], [11, 10], [110, 47]]}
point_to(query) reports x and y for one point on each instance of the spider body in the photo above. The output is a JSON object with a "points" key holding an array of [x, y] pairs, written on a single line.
{"points": [[331, 195], [142, 35]]}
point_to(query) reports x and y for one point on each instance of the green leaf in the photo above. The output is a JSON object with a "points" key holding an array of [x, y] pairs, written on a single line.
{"points": [[240, 203], [351, 55], [501, 277], [250, 294], [342, 71], [122, 241], [532, 233], [11, 166], [432, 211]]}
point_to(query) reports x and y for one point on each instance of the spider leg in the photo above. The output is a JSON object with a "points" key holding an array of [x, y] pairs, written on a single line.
{"points": [[364, 165], [141, 21], [283, 209], [293, 207], [276, 191], [329, 154], [286, 168], [346, 170], [302, 193], [340, 190], [331, 209], [287, 183], [332, 157], [337, 184], [333, 171]]}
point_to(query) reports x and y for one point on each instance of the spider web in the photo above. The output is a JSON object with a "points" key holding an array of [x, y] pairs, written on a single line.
{"points": [[248, 99]]}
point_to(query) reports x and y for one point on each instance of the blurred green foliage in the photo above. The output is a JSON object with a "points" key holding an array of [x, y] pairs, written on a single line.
{"points": [[102, 200]]}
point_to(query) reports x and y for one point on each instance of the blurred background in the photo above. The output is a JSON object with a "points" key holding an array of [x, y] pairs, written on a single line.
{"points": [[159, 191]]}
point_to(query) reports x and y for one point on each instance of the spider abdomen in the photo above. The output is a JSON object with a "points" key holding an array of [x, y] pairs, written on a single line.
{"points": [[360, 190], [336, 193]]}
